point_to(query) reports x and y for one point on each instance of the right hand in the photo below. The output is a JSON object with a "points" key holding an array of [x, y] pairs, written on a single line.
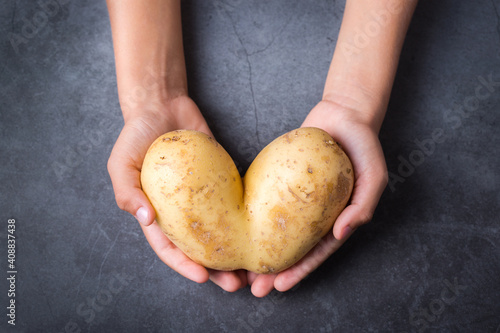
{"points": [[124, 167], [358, 135]]}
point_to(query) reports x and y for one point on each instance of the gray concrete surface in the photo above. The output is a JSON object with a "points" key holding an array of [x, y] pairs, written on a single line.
{"points": [[429, 261]]}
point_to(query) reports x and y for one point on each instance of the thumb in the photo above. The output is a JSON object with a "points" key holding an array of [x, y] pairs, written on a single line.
{"points": [[128, 192], [366, 194]]}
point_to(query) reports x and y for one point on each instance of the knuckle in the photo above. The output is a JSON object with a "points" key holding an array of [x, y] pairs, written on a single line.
{"points": [[122, 202], [365, 217]]}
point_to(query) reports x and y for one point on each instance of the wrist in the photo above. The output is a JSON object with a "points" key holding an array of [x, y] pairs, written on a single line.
{"points": [[153, 106], [149, 88], [356, 101]]}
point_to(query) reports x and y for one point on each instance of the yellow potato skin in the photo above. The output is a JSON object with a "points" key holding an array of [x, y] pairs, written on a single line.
{"points": [[293, 192]]}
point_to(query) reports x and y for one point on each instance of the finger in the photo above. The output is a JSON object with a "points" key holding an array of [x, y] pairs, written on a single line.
{"points": [[229, 281], [172, 256], [243, 277], [251, 276], [263, 284], [129, 196], [293, 275], [367, 191]]}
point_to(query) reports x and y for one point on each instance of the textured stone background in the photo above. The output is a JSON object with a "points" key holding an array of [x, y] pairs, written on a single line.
{"points": [[429, 260]]}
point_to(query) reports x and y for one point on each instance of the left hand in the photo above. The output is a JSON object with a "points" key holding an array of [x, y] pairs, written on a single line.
{"points": [[148, 122], [358, 137]]}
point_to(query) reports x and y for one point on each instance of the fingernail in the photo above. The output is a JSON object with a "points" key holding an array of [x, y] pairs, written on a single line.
{"points": [[347, 231], [142, 216]]}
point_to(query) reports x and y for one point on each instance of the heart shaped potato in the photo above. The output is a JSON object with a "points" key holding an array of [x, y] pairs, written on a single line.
{"points": [[288, 200]]}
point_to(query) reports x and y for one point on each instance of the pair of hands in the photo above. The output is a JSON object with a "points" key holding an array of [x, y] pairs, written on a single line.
{"points": [[358, 137]]}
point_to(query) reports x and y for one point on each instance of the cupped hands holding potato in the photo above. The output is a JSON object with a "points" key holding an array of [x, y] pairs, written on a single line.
{"points": [[355, 98], [288, 200], [125, 165]]}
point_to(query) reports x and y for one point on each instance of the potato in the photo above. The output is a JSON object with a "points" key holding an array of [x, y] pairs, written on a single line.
{"points": [[288, 200]]}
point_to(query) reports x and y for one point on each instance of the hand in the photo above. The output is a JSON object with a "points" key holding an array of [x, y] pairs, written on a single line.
{"points": [[358, 136], [125, 165]]}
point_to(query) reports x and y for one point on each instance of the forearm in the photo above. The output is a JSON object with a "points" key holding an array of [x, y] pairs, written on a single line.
{"points": [[149, 56], [365, 60]]}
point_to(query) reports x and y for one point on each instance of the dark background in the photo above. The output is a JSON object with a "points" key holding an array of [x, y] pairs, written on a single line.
{"points": [[429, 260]]}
